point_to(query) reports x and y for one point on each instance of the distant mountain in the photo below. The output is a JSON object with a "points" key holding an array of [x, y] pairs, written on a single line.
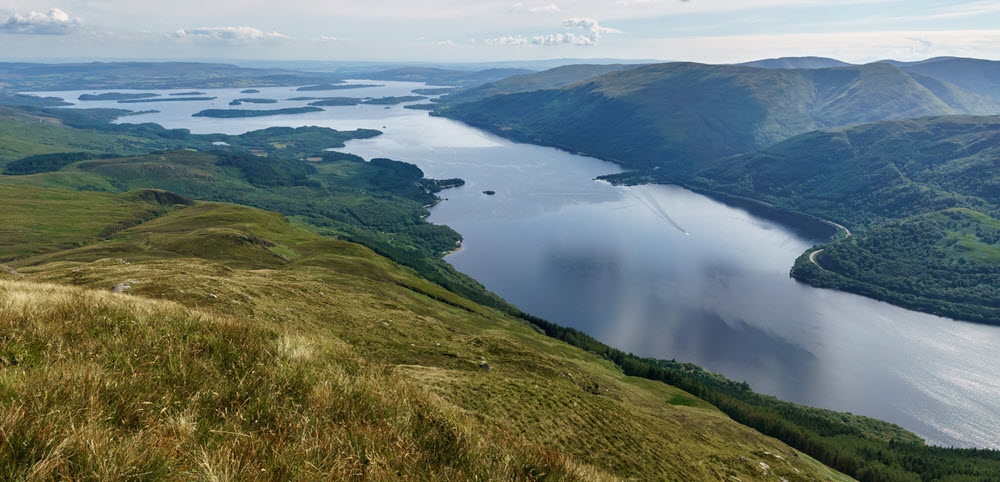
{"points": [[977, 75], [796, 63], [676, 114], [447, 77], [549, 79]]}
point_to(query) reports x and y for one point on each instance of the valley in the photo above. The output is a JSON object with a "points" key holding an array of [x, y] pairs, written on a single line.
{"points": [[547, 233]]}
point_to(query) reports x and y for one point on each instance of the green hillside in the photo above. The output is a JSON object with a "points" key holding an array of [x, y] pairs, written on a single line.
{"points": [[946, 263], [677, 115], [894, 184], [976, 75]]}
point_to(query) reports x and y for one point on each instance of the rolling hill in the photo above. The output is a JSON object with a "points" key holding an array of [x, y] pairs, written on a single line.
{"points": [[795, 63], [678, 115], [548, 79], [977, 75]]}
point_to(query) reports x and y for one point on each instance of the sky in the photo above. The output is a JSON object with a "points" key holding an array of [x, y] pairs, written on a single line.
{"points": [[711, 31]]}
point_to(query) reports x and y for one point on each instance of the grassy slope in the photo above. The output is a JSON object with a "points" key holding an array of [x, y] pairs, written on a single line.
{"points": [[674, 115], [249, 347], [23, 134]]}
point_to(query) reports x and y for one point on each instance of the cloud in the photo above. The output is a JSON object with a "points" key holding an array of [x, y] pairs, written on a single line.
{"points": [[592, 30], [229, 34], [550, 8], [508, 40], [328, 38], [592, 33], [53, 22]]}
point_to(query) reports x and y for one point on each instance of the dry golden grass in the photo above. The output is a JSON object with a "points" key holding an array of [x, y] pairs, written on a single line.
{"points": [[106, 386]]}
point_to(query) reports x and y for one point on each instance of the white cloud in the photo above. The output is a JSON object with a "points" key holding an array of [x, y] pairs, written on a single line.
{"points": [[592, 33], [592, 30], [230, 34], [53, 22], [508, 40], [327, 38], [549, 8], [545, 8]]}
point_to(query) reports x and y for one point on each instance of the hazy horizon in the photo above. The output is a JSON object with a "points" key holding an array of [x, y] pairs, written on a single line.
{"points": [[437, 31]]}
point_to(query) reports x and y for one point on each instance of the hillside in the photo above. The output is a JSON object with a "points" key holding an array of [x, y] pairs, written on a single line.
{"points": [[548, 79], [977, 75], [679, 114], [945, 262], [896, 185], [236, 345], [795, 63]]}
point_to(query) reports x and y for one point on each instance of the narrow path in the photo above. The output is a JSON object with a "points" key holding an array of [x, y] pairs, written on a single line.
{"points": [[848, 231], [812, 255]]}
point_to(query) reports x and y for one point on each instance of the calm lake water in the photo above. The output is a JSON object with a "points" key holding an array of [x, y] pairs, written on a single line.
{"points": [[660, 271]]}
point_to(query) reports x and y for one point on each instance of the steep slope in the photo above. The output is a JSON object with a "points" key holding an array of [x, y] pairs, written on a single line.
{"points": [[677, 115], [241, 346], [548, 79], [795, 63]]}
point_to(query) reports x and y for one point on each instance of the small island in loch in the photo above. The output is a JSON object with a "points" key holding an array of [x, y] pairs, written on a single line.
{"points": [[119, 96], [253, 101], [331, 101], [236, 113], [393, 100], [172, 99]]}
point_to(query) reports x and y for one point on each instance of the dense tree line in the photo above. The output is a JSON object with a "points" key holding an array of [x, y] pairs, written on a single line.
{"points": [[47, 162]]}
